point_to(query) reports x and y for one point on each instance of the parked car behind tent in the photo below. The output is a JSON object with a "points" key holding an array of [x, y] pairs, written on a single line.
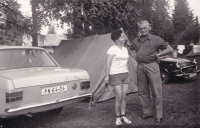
{"points": [[90, 54], [171, 68], [183, 65]]}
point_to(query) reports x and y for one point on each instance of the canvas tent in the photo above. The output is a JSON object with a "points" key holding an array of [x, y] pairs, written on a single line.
{"points": [[90, 54], [187, 50], [195, 50]]}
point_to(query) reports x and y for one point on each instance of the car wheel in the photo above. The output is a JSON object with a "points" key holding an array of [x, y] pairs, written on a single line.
{"points": [[164, 77], [55, 111]]}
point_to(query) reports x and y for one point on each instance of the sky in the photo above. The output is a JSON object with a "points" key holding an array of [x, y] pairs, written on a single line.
{"points": [[194, 5], [26, 10]]}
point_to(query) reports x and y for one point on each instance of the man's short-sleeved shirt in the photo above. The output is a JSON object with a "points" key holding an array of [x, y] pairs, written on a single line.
{"points": [[119, 60], [146, 49]]}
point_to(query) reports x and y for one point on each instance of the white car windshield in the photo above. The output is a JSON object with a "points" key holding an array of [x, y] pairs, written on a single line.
{"points": [[24, 58]]}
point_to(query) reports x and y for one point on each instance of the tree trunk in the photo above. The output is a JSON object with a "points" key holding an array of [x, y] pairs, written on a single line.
{"points": [[34, 16]]}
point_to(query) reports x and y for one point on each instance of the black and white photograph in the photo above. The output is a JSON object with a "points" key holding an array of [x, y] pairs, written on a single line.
{"points": [[99, 64]]}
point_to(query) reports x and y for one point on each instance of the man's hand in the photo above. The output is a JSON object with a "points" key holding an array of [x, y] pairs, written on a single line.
{"points": [[157, 57]]}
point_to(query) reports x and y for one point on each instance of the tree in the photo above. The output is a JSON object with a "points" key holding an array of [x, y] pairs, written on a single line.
{"points": [[12, 24], [156, 12], [16, 24], [160, 21], [185, 28], [181, 15], [196, 30], [41, 15], [146, 7], [191, 33], [34, 34], [52, 29], [90, 17]]}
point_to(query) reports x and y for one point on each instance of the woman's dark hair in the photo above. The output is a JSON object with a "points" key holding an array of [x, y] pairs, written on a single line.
{"points": [[116, 34]]}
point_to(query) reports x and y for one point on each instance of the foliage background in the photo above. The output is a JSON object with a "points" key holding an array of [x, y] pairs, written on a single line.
{"points": [[91, 17]]}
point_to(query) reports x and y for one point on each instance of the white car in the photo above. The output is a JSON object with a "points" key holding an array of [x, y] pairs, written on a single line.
{"points": [[31, 81]]}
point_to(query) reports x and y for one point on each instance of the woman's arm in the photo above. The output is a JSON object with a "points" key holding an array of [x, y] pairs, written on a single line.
{"points": [[108, 64]]}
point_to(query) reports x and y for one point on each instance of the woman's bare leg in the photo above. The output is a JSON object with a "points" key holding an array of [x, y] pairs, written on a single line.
{"points": [[118, 94], [123, 99]]}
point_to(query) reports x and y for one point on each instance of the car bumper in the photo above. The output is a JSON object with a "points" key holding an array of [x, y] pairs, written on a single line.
{"points": [[43, 106], [186, 75]]}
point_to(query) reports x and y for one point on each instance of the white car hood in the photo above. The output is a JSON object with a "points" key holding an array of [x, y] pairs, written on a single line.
{"points": [[41, 76]]}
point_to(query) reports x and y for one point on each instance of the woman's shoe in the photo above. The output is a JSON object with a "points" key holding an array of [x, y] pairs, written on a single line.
{"points": [[118, 121], [126, 120]]}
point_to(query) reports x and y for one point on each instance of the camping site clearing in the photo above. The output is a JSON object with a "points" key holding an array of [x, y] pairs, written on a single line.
{"points": [[181, 101]]}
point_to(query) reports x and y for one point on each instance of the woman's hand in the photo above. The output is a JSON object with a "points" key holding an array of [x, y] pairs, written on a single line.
{"points": [[106, 80]]}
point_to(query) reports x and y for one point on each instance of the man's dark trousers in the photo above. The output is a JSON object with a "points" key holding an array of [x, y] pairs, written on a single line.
{"points": [[148, 75]]}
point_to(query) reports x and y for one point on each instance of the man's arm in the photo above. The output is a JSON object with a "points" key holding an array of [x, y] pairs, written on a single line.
{"points": [[166, 51]]}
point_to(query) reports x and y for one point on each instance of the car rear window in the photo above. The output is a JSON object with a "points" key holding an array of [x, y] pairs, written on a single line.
{"points": [[24, 58]]}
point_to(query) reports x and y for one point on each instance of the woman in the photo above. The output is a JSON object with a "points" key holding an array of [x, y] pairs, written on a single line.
{"points": [[117, 74]]}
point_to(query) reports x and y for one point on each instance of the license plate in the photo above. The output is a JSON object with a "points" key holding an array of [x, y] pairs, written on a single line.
{"points": [[55, 89], [193, 74]]}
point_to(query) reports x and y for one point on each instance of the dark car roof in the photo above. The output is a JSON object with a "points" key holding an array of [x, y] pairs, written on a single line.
{"points": [[179, 60]]}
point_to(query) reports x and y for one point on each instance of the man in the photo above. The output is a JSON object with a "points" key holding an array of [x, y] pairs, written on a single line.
{"points": [[148, 50]]}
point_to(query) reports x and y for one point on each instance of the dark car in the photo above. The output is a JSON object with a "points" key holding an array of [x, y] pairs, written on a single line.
{"points": [[177, 68]]}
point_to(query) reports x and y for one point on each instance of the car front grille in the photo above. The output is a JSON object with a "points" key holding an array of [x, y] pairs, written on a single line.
{"points": [[185, 64], [189, 69]]}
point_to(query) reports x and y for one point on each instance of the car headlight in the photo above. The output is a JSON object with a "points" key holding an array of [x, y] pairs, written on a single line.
{"points": [[195, 61], [178, 65]]}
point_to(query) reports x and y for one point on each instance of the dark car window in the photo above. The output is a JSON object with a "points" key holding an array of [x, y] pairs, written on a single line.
{"points": [[24, 58]]}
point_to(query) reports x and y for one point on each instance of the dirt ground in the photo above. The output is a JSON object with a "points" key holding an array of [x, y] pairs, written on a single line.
{"points": [[181, 100]]}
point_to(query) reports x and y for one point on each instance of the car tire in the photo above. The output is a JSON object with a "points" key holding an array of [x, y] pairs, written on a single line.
{"points": [[164, 77], [55, 111]]}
